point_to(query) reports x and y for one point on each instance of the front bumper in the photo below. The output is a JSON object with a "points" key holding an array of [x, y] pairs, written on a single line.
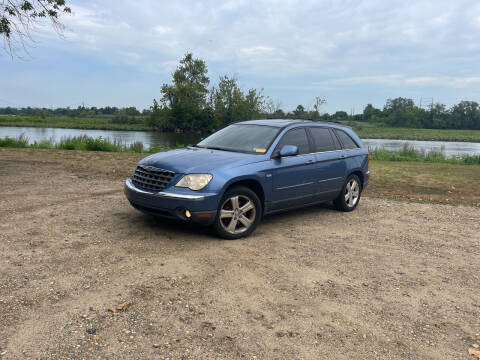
{"points": [[173, 204]]}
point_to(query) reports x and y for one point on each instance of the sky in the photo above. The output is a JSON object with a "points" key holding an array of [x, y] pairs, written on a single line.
{"points": [[351, 53]]}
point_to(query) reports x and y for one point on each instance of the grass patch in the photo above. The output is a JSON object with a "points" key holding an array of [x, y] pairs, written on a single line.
{"points": [[94, 123], [408, 153], [369, 132], [87, 143], [425, 182], [81, 143]]}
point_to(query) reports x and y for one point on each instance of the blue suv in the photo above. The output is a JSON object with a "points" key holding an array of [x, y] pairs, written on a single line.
{"points": [[250, 169]]}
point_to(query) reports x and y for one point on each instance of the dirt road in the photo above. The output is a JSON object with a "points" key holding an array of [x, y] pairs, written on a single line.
{"points": [[390, 280]]}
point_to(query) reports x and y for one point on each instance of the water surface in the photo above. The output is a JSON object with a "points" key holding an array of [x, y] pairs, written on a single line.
{"points": [[151, 138]]}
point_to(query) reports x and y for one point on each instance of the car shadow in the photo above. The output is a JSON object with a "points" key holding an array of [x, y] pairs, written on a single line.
{"points": [[185, 231], [171, 228], [295, 213]]}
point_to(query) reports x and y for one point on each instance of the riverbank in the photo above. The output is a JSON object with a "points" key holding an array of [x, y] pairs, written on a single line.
{"points": [[81, 143], [62, 122], [102, 144], [365, 131], [418, 134]]}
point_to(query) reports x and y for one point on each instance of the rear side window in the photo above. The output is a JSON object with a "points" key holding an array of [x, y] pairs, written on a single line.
{"points": [[323, 139], [346, 140], [297, 137]]}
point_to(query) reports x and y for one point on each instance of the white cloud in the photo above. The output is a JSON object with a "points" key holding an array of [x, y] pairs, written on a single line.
{"points": [[256, 50], [290, 44], [163, 29]]}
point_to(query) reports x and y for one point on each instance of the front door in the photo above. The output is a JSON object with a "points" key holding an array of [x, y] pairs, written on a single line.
{"points": [[292, 176]]}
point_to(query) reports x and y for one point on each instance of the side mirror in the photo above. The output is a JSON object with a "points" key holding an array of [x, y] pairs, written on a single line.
{"points": [[286, 150]]}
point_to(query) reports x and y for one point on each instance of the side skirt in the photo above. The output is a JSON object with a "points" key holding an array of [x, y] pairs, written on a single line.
{"points": [[274, 207]]}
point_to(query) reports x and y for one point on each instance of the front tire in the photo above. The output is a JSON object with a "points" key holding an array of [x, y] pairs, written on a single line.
{"points": [[239, 213], [349, 197]]}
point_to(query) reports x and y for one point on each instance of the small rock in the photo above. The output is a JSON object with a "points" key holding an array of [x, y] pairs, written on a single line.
{"points": [[476, 346], [156, 345], [91, 331]]}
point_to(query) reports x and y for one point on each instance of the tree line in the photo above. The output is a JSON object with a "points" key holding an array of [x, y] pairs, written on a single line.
{"points": [[80, 111], [189, 103]]}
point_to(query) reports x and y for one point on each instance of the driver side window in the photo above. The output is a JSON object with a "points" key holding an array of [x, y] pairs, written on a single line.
{"points": [[297, 137]]}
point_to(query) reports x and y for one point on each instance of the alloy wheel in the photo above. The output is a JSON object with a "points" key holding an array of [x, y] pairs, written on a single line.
{"points": [[237, 214], [352, 193]]}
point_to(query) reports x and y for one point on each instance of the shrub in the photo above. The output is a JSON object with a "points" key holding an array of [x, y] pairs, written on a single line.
{"points": [[19, 142]]}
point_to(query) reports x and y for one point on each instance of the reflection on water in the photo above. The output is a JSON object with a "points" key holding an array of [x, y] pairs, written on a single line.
{"points": [[448, 148], [172, 139], [148, 138]]}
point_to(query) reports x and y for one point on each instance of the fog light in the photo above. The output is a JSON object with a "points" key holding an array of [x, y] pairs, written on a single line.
{"points": [[188, 214]]}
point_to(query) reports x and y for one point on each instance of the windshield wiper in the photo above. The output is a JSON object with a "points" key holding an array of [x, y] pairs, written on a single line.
{"points": [[216, 148]]}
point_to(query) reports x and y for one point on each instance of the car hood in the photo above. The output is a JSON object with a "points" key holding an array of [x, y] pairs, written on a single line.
{"points": [[197, 160]]}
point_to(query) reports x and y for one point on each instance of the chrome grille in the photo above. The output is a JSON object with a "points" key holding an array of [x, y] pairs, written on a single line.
{"points": [[151, 178]]}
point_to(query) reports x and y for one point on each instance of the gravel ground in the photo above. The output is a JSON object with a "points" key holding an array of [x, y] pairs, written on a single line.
{"points": [[84, 275]]}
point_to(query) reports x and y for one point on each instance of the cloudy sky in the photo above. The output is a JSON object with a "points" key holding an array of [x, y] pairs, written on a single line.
{"points": [[349, 52]]}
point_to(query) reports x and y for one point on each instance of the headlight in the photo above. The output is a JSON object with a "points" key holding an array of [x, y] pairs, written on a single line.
{"points": [[195, 181]]}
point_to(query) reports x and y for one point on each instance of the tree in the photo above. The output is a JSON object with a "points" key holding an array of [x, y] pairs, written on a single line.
{"points": [[398, 104], [319, 102], [230, 104], [186, 99], [19, 17], [299, 112], [340, 115], [466, 115], [370, 113]]}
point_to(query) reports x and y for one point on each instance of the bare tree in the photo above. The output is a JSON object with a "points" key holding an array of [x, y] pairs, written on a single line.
{"points": [[19, 17], [319, 101]]}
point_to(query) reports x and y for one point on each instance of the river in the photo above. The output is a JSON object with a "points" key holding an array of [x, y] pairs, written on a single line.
{"points": [[172, 139]]}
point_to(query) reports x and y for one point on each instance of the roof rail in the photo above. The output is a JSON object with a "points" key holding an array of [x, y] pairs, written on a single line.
{"points": [[323, 121]]}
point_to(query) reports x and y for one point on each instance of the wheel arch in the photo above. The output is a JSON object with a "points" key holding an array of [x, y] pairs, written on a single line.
{"points": [[251, 183], [360, 175]]}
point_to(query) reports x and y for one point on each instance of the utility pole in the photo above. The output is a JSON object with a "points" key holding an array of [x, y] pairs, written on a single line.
{"points": [[426, 103]]}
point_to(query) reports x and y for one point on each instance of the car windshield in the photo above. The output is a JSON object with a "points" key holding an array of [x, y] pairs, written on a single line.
{"points": [[241, 138]]}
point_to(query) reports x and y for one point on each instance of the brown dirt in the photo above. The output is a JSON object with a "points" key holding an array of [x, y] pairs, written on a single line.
{"points": [[393, 279]]}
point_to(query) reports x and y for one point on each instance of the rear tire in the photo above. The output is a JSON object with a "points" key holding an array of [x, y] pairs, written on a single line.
{"points": [[349, 197], [239, 213]]}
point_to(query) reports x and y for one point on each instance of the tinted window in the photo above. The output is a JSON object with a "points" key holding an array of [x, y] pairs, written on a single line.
{"points": [[297, 137], [242, 138], [338, 146], [323, 139], [346, 140]]}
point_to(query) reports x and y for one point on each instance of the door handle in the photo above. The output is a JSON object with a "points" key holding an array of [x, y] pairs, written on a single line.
{"points": [[309, 162]]}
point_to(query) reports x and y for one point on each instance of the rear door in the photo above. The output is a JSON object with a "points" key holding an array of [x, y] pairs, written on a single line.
{"points": [[330, 166], [293, 176]]}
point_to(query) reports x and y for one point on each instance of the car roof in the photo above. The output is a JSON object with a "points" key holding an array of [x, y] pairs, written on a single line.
{"points": [[281, 123]]}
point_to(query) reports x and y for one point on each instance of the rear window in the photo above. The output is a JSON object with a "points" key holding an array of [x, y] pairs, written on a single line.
{"points": [[346, 140], [323, 139]]}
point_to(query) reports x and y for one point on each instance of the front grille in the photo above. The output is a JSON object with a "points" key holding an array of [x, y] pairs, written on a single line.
{"points": [[151, 178]]}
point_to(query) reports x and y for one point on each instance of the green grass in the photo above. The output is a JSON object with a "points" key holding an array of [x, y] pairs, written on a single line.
{"points": [[95, 123], [104, 144], [425, 182], [417, 134], [80, 143], [410, 154]]}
